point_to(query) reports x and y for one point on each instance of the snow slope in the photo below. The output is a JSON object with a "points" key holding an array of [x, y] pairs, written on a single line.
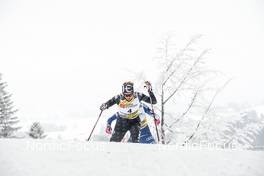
{"points": [[25, 157]]}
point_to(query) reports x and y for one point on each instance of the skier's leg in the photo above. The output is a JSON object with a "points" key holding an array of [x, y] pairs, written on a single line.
{"points": [[120, 130], [146, 136], [135, 130]]}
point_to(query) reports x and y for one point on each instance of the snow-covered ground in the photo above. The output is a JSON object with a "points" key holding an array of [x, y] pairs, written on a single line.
{"points": [[25, 157]]}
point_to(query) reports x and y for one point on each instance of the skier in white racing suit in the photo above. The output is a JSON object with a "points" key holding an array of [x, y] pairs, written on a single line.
{"points": [[129, 111]]}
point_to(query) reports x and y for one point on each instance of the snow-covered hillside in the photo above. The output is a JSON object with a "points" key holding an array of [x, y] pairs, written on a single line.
{"points": [[25, 157]]}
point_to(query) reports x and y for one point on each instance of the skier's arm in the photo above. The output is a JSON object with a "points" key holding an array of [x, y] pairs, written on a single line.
{"points": [[111, 102], [111, 119], [152, 99], [148, 110], [108, 128]]}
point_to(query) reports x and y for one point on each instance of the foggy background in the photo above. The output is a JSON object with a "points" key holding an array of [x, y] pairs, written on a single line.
{"points": [[64, 58]]}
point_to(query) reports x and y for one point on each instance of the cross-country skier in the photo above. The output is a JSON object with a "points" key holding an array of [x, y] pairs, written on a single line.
{"points": [[145, 134], [129, 111]]}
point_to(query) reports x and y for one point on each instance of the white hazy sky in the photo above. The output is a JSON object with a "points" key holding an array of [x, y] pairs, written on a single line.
{"points": [[64, 58]]}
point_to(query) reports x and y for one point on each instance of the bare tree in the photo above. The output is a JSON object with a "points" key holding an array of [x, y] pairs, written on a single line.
{"points": [[183, 80], [184, 86]]}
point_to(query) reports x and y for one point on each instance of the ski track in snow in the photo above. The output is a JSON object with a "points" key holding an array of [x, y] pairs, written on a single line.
{"points": [[26, 157]]}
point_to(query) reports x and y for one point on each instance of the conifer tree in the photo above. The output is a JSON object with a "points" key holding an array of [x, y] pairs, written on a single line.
{"points": [[8, 120], [36, 131]]}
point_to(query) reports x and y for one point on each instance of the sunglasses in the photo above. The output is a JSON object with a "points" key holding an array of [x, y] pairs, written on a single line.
{"points": [[128, 95]]}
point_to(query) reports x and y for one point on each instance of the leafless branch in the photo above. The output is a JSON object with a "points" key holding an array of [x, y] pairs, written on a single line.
{"points": [[206, 111], [187, 110], [186, 75], [183, 51]]}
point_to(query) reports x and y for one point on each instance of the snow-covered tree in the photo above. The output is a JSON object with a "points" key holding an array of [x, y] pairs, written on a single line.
{"points": [[8, 120], [36, 131], [243, 132], [187, 89], [183, 84], [226, 127]]}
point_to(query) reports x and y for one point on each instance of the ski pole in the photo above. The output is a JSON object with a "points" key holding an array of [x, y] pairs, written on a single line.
{"points": [[152, 107], [95, 125]]}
